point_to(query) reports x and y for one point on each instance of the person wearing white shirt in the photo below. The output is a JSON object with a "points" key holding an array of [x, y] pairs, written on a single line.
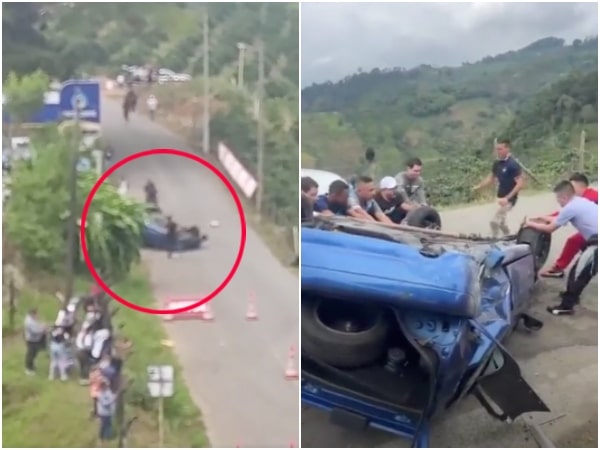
{"points": [[152, 103]]}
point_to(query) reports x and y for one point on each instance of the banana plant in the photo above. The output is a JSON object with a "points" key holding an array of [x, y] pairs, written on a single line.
{"points": [[113, 229]]}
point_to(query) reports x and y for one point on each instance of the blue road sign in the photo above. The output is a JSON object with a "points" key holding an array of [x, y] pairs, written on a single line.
{"points": [[60, 105], [82, 94], [48, 113]]}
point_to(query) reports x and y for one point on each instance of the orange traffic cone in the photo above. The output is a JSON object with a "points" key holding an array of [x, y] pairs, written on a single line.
{"points": [[291, 372], [208, 315], [251, 312]]}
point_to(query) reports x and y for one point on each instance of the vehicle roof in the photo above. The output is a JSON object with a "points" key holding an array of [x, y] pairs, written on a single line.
{"points": [[322, 177]]}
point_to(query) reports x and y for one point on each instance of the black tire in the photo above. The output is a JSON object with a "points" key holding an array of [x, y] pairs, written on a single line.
{"points": [[424, 217], [345, 350], [539, 242]]}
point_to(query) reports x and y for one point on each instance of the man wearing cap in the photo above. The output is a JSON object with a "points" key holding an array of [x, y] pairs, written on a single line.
{"points": [[362, 204], [393, 203]]}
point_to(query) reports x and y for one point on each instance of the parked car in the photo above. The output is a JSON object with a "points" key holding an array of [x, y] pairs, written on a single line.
{"points": [[154, 234], [398, 324]]}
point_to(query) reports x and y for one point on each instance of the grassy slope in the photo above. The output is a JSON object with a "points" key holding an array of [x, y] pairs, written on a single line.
{"points": [[40, 413]]}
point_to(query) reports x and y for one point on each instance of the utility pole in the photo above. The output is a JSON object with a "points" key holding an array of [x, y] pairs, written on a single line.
{"points": [[72, 218], [241, 61], [581, 159], [260, 127], [206, 113]]}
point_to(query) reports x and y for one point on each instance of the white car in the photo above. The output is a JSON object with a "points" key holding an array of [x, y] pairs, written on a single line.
{"points": [[322, 177]]}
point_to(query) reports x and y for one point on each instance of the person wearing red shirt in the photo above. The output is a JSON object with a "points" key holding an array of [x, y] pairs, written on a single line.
{"points": [[576, 242]]}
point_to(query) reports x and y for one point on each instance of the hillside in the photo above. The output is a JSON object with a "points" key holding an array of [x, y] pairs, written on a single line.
{"points": [[442, 113], [67, 39]]}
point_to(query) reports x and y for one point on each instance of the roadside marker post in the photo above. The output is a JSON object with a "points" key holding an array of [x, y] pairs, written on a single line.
{"points": [[160, 385]]}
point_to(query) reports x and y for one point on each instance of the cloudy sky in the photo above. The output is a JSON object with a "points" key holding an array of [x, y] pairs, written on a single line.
{"points": [[338, 38]]}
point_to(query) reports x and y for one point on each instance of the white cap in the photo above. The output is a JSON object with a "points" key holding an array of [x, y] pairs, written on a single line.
{"points": [[388, 183]]}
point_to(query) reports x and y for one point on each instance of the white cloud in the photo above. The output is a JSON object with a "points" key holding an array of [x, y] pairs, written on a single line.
{"points": [[338, 38]]}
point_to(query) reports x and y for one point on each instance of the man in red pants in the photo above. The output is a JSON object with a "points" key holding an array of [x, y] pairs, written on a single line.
{"points": [[576, 241]]}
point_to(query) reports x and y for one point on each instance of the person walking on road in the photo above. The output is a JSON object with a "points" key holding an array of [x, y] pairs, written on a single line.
{"points": [[575, 242], [583, 215], [151, 193], [35, 339], [171, 236], [152, 103], [507, 174]]}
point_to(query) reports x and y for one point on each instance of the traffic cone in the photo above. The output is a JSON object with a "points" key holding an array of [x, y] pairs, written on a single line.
{"points": [[208, 313], [291, 372], [251, 312]]}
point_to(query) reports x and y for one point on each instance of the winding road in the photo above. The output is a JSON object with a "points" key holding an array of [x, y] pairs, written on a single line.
{"points": [[234, 369]]}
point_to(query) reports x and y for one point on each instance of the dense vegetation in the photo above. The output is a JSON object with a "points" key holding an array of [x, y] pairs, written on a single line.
{"points": [[540, 97], [67, 39]]}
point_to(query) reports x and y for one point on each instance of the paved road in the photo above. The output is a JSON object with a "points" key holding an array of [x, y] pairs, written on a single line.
{"points": [[233, 368], [561, 363]]}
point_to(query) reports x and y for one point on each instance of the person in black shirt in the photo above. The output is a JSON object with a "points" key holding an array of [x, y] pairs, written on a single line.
{"points": [[308, 195], [335, 202], [390, 200], [507, 174], [151, 193], [171, 236]]}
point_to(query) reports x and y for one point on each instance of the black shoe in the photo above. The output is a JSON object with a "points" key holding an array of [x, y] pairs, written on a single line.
{"points": [[553, 273], [560, 310]]}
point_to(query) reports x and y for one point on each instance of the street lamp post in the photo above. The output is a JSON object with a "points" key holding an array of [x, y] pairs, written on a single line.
{"points": [[241, 61], [72, 218], [206, 112]]}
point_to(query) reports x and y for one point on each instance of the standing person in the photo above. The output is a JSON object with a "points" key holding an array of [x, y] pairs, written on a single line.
{"points": [[575, 242], [393, 203], [35, 339], [411, 184], [58, 354], [583, 215], [83, 343], [507, 174], [335, 202], [171, 236], [309, 190], [95, 382], [123, 187], [152, 103], [105, 409], [362, 204], [151, 193]]}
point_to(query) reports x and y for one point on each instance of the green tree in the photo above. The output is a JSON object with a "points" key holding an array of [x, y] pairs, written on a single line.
{"points": [[35, 214], [25, 94]]}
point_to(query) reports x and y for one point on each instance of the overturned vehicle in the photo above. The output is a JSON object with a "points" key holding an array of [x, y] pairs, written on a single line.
{"points": [[154, 233], [400, 323]]}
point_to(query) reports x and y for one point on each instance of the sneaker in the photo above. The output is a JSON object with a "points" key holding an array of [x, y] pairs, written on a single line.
{"points": [[84, 382], [552, 272], [560, 310], [29, 372]]}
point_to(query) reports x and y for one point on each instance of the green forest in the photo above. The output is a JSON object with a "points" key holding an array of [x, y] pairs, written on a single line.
{"points": [[73, 39], [540, 97]]}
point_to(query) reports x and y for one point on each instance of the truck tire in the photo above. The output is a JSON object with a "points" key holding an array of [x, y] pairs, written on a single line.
{"points": [[343, 349], [424, 217], [539, 242]]}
